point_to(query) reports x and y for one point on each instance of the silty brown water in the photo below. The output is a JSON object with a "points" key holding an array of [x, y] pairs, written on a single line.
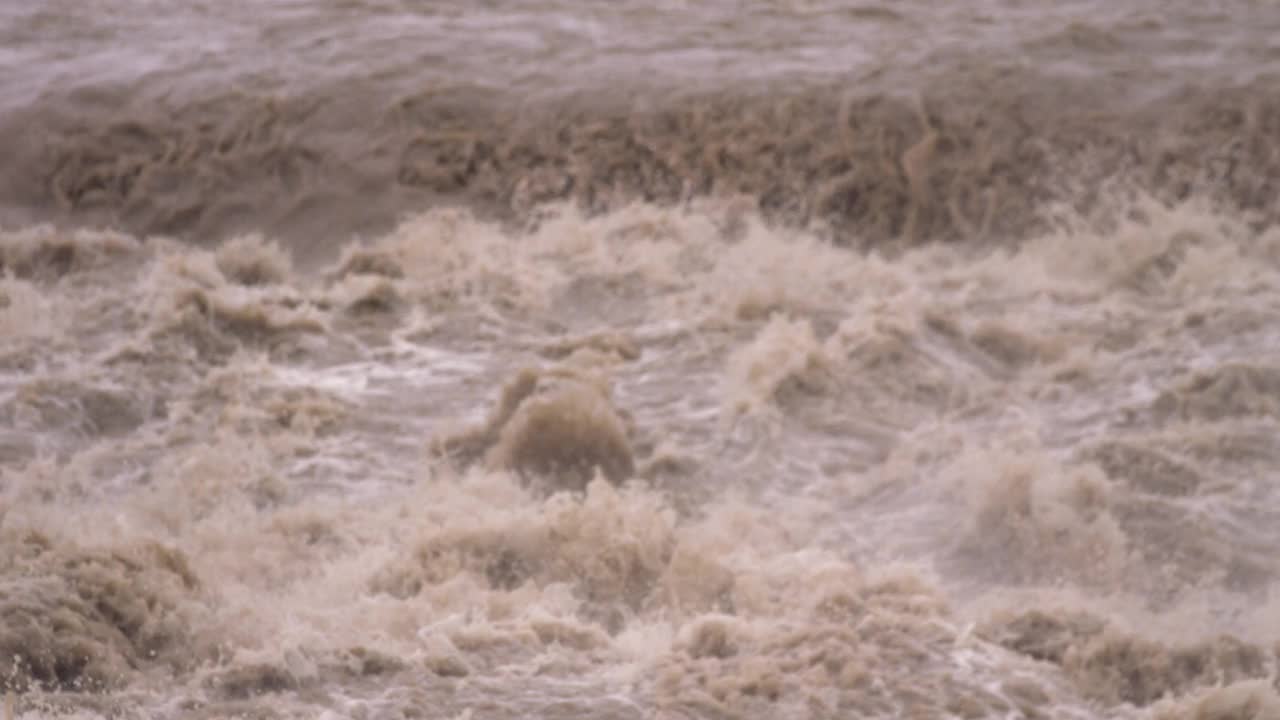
{"points": [[925, 357]]}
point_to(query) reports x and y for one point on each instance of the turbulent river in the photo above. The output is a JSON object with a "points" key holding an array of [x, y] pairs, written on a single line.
{"points": [[382, 359]]}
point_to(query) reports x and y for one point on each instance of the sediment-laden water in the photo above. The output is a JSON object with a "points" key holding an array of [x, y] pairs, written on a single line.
{"points": [[667, 360]]}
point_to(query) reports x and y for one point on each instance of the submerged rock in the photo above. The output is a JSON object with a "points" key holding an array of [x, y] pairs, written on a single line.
{"points": [[558, 427]]}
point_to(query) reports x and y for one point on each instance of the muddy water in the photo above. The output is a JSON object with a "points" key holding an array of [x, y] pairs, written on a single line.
{"points": [[314, 122], [706, 360]]}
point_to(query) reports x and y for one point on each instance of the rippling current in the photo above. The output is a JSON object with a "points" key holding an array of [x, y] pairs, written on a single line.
{"points": [[672, 360]]}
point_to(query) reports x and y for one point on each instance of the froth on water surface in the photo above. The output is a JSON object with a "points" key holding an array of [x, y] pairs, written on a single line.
{"points": [[651, 463]]}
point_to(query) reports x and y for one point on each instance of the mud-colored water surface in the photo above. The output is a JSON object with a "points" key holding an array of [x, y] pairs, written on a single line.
{"points": [[678, 360]]}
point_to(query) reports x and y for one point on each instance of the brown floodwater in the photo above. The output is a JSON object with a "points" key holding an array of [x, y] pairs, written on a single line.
{"points": [[378, 359]]}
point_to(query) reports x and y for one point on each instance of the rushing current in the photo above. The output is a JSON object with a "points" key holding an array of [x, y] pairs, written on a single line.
{"points": [[665, 360]]}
